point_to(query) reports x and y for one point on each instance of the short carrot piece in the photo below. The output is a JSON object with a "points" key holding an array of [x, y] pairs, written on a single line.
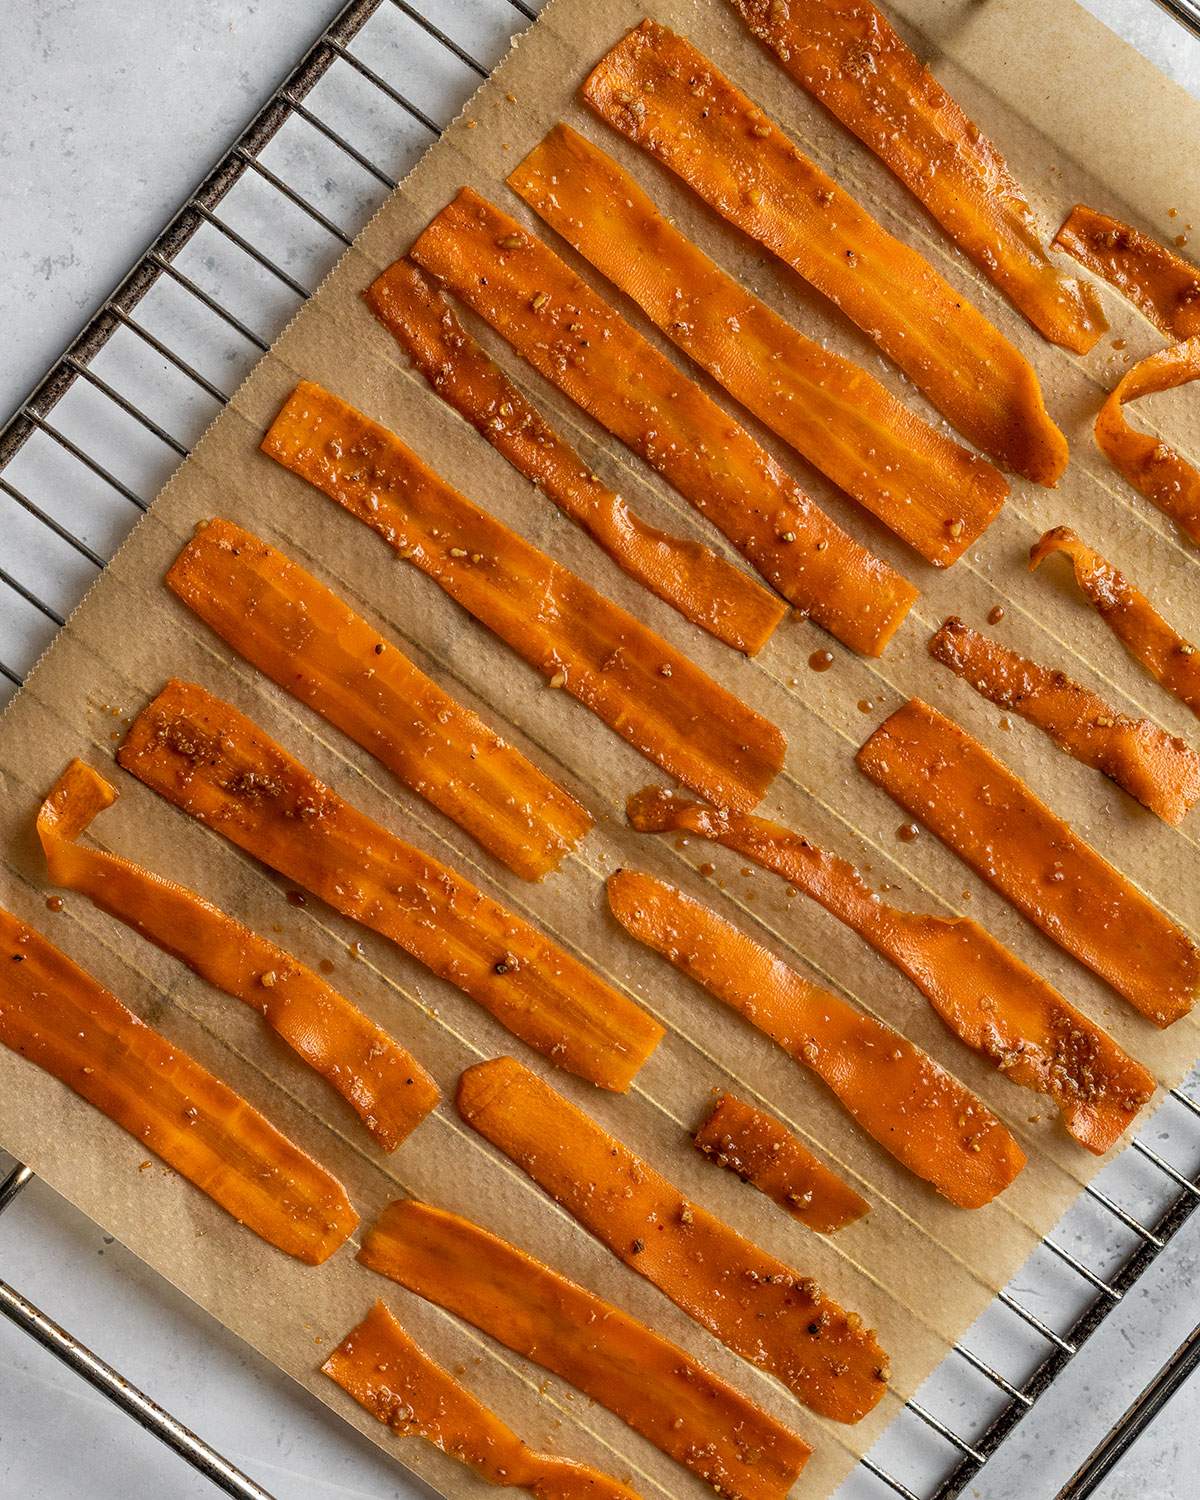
{"points": [[1163, 286]]}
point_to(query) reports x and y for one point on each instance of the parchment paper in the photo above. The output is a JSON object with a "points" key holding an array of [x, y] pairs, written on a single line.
{"points": [[1081, 117]]}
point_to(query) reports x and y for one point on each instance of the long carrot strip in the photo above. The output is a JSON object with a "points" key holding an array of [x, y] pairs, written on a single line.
{"points": [[687, 1412], [985, 995], [656, 89], [1161, 284], [691, 577], [991, 819], [556, 322], [60, 1018], [1159, 769], [387, 1372], [212, 762], [904, 1100], [752, 1302], [846, 54], [637, 683], [930, 491]]}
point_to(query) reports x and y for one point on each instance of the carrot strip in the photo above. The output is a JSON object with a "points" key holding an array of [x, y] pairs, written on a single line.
{"points": [[1166, 655], [290, 626], [1161, 284], [219, 767], [1153, 467], [558, 324], [1159, 769], [849, 57], [755, 1304], [392, 1377], [931, 492], [692, 578], [56, 1015], [664, 1394], [638, 684], [912, 1107], [991, 819], [656, 89], [985, 995]]}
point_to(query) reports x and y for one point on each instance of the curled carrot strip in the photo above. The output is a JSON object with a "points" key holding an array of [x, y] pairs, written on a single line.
{"points": [[687, 1412], [59, 1017], [905, 1101], [850, 58], [392, 1377], [986, 996], [991, 819], [691, 577], [930, 491], [1161, 284], [1159, 769], [556, 322], [215, 764], [755, 1304], [656, 89], [1166, 655], [637, 683]]}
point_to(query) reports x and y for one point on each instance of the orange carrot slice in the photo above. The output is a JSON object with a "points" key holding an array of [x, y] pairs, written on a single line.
{"points": [[991, 819], [985, 995], [687, 1412], [691, 577], [850, 58], [930, 491], [637, 683], [1161, 284], [59, 1017], [557, 323], [656, 89], [392, 1377], [214, 763], [755, 1304], [1159, 769]]}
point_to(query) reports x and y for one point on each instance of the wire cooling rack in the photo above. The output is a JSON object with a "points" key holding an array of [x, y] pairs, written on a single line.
{"points": [[105, 426]]}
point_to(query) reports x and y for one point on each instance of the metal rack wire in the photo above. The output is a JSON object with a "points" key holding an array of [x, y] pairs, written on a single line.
{"points": [[220, 280]]}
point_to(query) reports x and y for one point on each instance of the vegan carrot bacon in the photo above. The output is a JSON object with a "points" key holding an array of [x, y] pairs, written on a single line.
{"points": [[211, 761], [850, 58], [985, 995], [656, 89], [638, 684], [1161, 284], [56, 1015], [930, 491], [1159, 769], [990, 818], [754, 1303], [691, 577], [558, 324], [290, 626], [664, 1394]]}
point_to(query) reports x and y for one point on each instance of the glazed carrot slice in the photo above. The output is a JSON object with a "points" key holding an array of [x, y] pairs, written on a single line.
{"points": [[985, 995], [850, 58], [558, 324], [1161, 284], [56, 1015], [754, 1303], [214, 763], [637, 683], [1150, 465], [392, 1377], [656, 89], [290, 626], [1166, 655], [687, 1412], [1159, 769], [991, 819], [930, 491], [905, 1101], [691, 577]]}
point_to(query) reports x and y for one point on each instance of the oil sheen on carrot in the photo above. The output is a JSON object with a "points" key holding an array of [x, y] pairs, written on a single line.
{"points": [[1162, 285]]}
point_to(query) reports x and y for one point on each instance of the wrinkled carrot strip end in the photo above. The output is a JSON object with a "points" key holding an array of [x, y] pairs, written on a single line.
{"points": [[1163, 286]]}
